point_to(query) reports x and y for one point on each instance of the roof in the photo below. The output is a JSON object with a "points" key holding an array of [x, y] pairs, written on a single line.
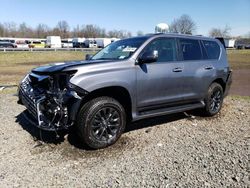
{"points": [[181, 35]]}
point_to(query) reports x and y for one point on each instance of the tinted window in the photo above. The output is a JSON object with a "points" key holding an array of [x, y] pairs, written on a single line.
{"points": [[190, 49], [121, 49], [212, 49], [166, 48]]}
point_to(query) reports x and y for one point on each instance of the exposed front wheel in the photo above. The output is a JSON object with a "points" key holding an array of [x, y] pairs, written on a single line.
{"points": [[214, 99], [101, 122]]}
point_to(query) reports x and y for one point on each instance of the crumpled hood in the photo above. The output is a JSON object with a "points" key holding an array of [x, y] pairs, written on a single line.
{"points": [[60, 66]]}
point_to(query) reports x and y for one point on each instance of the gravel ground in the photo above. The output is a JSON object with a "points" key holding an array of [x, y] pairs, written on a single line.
{"points": [[170, 151]]}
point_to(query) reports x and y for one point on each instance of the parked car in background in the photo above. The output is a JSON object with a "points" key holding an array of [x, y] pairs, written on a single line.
{"points": [[242, 43], [67, 43], [22, 44], [240, 46], [129, 80], [53, 42], [79, 42], [36, 44], [91, 43], [8, 40], [102, 42], [5, 44]]}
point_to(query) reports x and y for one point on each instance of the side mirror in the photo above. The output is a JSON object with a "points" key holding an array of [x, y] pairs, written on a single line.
{"points": [[148, 57], [88, 56]]}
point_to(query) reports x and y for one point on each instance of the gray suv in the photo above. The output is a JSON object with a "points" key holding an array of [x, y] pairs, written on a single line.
{"points": [[128, 80]]}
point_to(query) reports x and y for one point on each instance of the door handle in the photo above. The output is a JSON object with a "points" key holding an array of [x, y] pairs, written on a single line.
{"points": [[177, 69], [208, 67]]}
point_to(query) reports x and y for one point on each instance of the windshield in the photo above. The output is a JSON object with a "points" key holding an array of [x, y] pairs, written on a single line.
{"points": [[121, 49]]}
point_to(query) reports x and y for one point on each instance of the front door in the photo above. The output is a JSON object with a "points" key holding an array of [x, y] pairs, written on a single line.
{"points": [[159, 83]]}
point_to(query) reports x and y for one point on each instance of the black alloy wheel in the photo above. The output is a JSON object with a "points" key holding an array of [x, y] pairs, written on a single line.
{"points": [[100, 122], [214, 99]]}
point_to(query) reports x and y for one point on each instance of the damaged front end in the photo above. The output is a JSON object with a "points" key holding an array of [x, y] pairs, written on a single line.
{"points": [[51, 99]]}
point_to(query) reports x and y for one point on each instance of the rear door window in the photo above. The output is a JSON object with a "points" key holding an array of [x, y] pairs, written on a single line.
{"points": [[190, 49], [212, 49]]}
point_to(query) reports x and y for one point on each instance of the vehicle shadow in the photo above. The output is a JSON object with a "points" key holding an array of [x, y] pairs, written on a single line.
{"points": [[27, 124], [52, 137], [151, 122]]}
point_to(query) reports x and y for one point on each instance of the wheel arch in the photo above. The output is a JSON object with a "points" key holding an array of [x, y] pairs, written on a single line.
{"points": [[119, 93], [221, 82]]}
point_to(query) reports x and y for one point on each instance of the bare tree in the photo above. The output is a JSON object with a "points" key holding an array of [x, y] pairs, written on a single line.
{"points": [[2, 30], [77, 32], [24, 30], [10, 29], [183, 25], [119, 34], [91, 31], [103, 33], [63, 28], [42, 30], [218, 32]]}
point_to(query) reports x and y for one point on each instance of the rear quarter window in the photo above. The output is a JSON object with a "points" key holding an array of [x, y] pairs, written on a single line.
{"points": [[212, 49]]}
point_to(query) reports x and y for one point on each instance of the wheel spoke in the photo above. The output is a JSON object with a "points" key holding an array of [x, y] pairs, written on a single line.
{"points": [[103, 130], [111, 131], [114, 125], [106, 134], [97, 131]]}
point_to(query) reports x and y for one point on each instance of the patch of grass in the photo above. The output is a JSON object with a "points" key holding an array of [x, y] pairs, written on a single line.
{"points": [[14, 65], [239, 59], [7, 58]]}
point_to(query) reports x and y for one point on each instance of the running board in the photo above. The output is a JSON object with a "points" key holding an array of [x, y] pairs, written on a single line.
{"points": [[169, 110]]}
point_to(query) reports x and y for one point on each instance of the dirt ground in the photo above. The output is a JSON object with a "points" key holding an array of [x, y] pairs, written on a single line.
{"points": [[241, 82], [168, 151]]}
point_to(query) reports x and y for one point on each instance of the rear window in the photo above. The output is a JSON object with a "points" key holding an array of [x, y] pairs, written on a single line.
{"points": [[212, 49], [190, 49]]}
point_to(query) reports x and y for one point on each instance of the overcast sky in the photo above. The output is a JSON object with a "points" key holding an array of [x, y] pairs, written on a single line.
{"points": [[131, 15]]}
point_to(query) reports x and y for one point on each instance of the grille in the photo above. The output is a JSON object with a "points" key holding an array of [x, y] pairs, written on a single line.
{"points": [[27, 98]]}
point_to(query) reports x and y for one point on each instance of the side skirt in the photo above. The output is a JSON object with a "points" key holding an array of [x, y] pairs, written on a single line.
{"points": [[147, 113]]}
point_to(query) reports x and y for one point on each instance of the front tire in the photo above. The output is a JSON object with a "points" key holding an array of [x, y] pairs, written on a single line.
{"points": [[100, 122], [214, 99]]}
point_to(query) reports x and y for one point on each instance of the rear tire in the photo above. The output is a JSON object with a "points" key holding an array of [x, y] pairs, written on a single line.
{"points": [[214, 99], [100, 122]]}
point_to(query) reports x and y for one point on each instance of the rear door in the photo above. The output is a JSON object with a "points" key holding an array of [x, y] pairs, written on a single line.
{"points": [[198, 70]]}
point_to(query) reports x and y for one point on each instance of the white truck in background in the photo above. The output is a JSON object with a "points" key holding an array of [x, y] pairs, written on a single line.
{"points": [[53, 42], [102, 42]]}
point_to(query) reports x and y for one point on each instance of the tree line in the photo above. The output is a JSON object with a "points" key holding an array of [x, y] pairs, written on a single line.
{"points": [[11, 29]]}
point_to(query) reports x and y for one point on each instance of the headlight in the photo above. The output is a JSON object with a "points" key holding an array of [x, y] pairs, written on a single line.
{"points": [[78, 90]]}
